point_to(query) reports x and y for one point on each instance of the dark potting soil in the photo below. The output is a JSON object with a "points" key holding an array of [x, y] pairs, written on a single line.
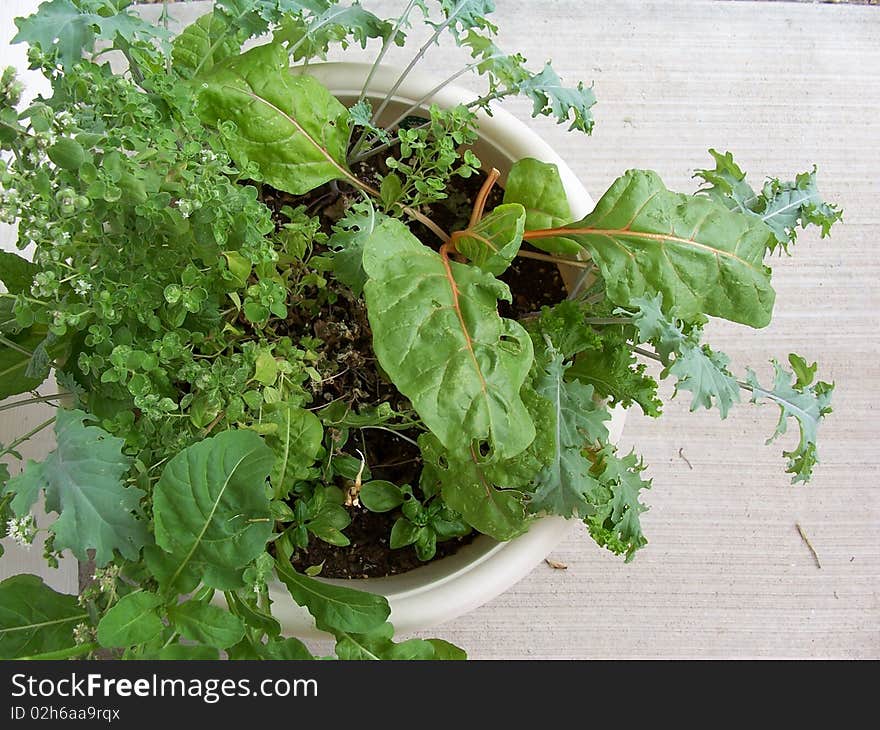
{"points": [[355, 378]]}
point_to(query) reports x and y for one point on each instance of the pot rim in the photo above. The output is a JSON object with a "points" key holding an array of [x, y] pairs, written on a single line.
{"points": [[446, 588]]}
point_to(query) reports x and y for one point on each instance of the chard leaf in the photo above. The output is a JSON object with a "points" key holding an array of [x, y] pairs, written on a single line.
{"points": [[485, 494], [563, 486], [289, 127], [133, 620], [206, 624], [82, 479], [615, 523], [348, 239], [334, 607], [537, 186], [804, 401], [34, 619], [211, 507], [438, 335], [492, 243], [701, 257], [203, 44], [782, 206], [16, 273]]}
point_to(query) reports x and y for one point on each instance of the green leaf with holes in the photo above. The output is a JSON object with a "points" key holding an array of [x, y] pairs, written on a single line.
{"points": [[438, 335]]}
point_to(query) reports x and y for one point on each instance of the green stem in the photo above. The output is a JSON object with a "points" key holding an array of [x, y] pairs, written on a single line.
{"points": [[647, 353], [14, 346], [559, 260], [386, 44], [392, 431], [391, 143], [418, 57], [29, 401], [7, 295], [436, 90], [608, 320], [21, 439], [73, 651]]}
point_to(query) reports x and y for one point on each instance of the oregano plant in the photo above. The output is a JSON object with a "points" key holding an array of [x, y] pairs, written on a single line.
{"points": [[270, 319]]}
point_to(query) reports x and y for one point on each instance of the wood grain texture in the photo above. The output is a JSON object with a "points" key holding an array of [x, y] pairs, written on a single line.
{"points": [[726, 573]]}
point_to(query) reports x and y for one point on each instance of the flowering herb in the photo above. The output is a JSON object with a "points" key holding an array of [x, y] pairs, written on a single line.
{"points": [[206, 436]]}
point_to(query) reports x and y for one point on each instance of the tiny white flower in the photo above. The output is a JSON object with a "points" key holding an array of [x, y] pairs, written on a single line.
{"points": [[22, 529], [82, 287], [83, 634]]}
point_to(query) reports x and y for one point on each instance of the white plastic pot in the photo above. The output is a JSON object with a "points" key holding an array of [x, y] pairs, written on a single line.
{"points": [[446, 588]]}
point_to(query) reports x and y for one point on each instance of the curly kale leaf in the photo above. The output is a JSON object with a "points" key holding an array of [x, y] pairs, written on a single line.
{"points": [[781, 206], [798, 397], [311, 37], [550, 98], [67, 28], [603, 359], [464, 15], [615, 523], [507, 74], [696, 368], [562, 487], [704, 372], [82, 479]]}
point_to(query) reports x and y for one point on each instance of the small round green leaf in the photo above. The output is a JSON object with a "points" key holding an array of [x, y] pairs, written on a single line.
{"points": [[67, 153], [381, 496]]}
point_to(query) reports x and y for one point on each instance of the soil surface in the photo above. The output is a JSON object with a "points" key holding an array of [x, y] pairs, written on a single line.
{"points": [[353, 375]]}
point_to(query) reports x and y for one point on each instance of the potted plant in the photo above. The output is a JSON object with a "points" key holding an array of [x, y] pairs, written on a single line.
{"points": [[329, 321]]}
